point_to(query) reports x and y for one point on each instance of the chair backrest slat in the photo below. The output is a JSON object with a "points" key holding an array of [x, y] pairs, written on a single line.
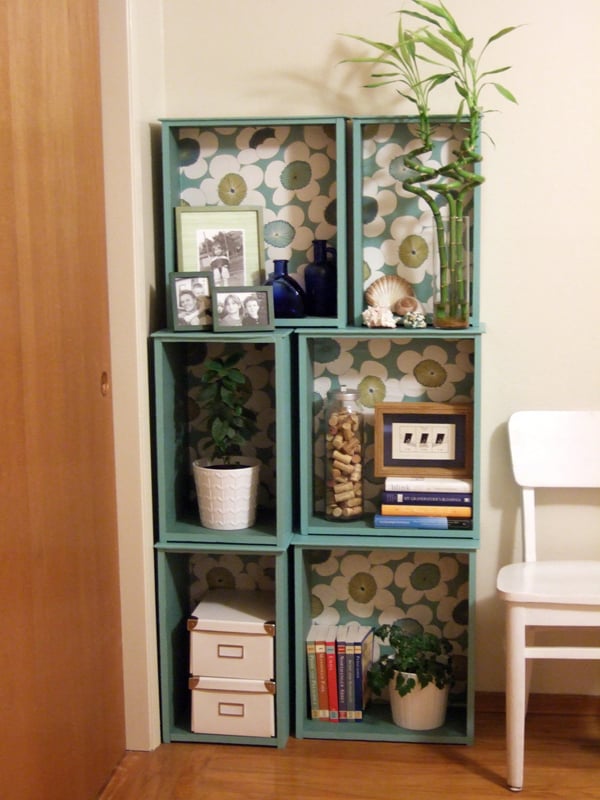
{"points": [[555, 448]]}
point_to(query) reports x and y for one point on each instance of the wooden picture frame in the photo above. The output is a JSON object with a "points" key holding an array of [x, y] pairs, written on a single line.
{"points": [[243, 308], [196, 314], [227, 241], [423, 439]]}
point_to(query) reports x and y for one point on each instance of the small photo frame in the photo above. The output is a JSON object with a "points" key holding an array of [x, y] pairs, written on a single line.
{"points": [[226, 241], [191, 300], [423, 439], [243, 308]]}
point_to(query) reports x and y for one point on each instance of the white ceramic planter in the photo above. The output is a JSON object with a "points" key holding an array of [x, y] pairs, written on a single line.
{"points": [[422, 709], [227, 497]]}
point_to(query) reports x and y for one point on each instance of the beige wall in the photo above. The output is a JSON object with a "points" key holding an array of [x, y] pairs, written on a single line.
{"points": [[131, 44], [540, 229]]}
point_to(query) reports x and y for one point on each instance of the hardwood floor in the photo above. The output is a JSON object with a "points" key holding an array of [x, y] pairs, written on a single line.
{"points": [[562, 762]]}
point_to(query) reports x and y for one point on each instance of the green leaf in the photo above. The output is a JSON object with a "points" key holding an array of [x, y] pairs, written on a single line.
{"points": [[455, 39], [377, 45], [505, 92], [377, 84], [462, 91], [437, 80], [501, 33], [236, 376], [416, 15], [440, 47], [494, 72], [438, 11]]}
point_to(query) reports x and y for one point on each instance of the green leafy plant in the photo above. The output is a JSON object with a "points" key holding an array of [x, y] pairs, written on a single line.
{"points": [[419, 61], [224, 394], [423, 655]]}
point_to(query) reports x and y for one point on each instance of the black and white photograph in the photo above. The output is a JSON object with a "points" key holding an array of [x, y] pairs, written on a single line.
{"points": [[227, 242], [191, 300], [243, 308]]}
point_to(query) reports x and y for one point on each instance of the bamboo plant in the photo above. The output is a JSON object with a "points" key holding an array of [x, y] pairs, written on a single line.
{"points": [[420, 60]]}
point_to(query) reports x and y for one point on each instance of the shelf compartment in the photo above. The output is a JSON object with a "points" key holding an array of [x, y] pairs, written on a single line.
{"points": [[183, 576], [294, 169], [180, 436], [384, 214], [379, 584], [396, 366]]}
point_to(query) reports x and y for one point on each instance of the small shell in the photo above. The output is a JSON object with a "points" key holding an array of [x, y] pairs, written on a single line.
{"points": [[386, 291], [377, 317], [406, 304]]}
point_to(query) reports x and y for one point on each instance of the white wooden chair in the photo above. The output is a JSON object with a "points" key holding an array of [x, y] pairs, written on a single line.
{"points": [[548, 449]]}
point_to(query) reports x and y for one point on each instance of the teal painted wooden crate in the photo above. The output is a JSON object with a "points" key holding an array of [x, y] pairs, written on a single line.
{"points": [[180, 435], [427, 587], [292, 168], [419, 366], [387, 220], [184, 574]]}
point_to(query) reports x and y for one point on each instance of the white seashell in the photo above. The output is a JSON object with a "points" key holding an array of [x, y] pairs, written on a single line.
{"points": [[376, 317], [386, 291]]}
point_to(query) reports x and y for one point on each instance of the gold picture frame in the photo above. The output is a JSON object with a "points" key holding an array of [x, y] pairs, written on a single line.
{"points": [[423, 439]]}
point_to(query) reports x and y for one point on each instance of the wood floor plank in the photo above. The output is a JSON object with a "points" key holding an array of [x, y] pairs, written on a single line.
{"points": [[562, 763]]}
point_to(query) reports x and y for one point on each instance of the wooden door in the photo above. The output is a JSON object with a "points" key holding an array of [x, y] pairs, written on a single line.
{"points": [[60, 654]]}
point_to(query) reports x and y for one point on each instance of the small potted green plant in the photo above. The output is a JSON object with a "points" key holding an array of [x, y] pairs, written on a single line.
{"points": [[418, 673], [226, 482]]}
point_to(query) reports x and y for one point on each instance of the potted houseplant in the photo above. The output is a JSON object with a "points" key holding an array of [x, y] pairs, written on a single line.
{"points": [[419, 61], [418, 673], [226, 482]]}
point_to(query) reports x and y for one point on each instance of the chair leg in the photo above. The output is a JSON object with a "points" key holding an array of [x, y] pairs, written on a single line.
{"points": [[529, 641], [516, 695]]}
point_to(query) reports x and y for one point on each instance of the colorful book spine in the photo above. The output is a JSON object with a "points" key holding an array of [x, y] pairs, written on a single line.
{"points": [[350, 669], [428, 498], [363, 658], [400, 484], [322, 689], [332, 684], [387, 509], [338, 658], [341, 674], [434, 523], [311, 668]]}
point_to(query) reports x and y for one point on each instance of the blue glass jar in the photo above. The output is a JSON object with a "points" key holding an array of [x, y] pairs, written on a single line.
{"points": [[320, 279], [288, 295]]}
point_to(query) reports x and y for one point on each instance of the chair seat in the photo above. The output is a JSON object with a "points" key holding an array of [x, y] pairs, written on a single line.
{"points": [[564, 582]]}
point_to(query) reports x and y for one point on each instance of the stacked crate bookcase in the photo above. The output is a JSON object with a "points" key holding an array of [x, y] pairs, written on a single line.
{"points": [[304, 359]]}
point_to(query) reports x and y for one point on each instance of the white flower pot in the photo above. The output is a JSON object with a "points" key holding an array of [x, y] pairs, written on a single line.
{"points": [[227, 495], [422, 709]]}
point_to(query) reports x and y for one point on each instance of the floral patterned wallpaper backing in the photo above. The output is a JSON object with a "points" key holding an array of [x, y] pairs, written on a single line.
{"points": [[287, 170], [290, 172], [425, 590], [398, 234], [385, 369], [258, 365]]}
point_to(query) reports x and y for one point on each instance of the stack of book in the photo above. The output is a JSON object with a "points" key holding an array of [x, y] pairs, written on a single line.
{"points": [[439, 503], [338, 658]]}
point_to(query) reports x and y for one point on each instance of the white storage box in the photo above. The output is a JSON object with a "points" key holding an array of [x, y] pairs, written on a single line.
{"points": [[232, 635], [233, 707]]}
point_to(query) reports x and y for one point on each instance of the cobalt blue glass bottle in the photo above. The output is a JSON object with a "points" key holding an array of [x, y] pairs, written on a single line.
{"points": [[288, 295], [320, 279]]}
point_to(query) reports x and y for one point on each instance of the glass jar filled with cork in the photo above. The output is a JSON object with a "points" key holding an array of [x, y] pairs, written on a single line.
{"points": [[344, 451]]}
